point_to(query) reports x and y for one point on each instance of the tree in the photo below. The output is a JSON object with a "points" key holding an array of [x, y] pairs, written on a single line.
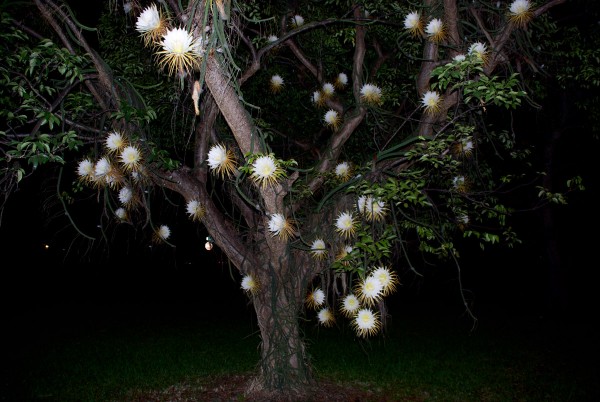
{"points": [[322, 147]]}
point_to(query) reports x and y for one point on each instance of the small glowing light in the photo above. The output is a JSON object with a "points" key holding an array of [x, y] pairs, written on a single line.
{"points": [[209, 243], [46, 246]]}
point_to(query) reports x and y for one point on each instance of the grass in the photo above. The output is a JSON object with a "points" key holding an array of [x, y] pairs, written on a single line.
{"points": [[85, 355]]}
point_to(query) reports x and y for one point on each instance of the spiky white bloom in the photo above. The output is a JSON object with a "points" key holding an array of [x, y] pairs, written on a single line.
{"points": [[249, 284], [341, 81], [370, 94], [276, 83], [464, 147], [317, 99], [520, 12], [297, 21], [280, 226], [435, 30], [221, 160], [195, 210], [332, 119], [388, 279], [366, 322], [342, 170], [102, 167], [163, 232], [265, 170], [272, 38], [85, 170], [479, 50], [413, 23], [373, 208], [345, 224], [318, 249], [121, 213], [150, 24], [459, 58], [325, 317], [316, 298], [114, 142], [370, 290], [180, 51], [328, 90], [131, 157], [431, 101], [125, 195], [350, 305]]}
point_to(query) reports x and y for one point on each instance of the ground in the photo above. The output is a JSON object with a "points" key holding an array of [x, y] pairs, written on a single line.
{"points": [[233, 388]]}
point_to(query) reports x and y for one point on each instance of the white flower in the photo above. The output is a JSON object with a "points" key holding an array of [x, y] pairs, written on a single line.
{"points": [[180, 51], [195, 209], [280, 226], [341, 81], [325, 317], [479, 50], [249, 284], [332, 119], [317, 99], [297, 21], [131, 157], [366, 322], [163, 232], [102, 167], [115, 142], [520, 12], [345, 224], [373, 209], [370, 94], [459, 58], [350, 305], [328, 90], [221, 160], [388, 279], [276, 83], [431, 101], [121, 213], [318, 249], [265, 170], [413, 23], [435, 30], [150, 24], [342, 170], [125, 195], [85, 170], [315, 298], [370, 290], [459, 183], [272, 38]]}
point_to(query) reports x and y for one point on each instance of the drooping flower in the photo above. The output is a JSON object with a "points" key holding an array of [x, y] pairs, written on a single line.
{"points": [[479, 50], [126, 196], [326, 317], [115, 142], [435, 30], [328, 90], [343, 171], [464, 147], [520, 12], [318, 249], [266, 171], [369, 290], [281, 226], [221, 160], [371, 94], [85, 170], [432, 102], [297, 21], [150, 24], [195, 210], [162, 233], [366, 322], [341, 81], [413, 23], [332, 119], [349, 305], [276, 83], [316, 298], [388, 279], [121, 214], [249, 284], [131, 158], [180, 51], [196, 92], [345, 224]]}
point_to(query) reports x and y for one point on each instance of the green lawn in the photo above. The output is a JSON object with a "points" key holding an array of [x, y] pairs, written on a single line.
{"points": [[92, 354]]}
